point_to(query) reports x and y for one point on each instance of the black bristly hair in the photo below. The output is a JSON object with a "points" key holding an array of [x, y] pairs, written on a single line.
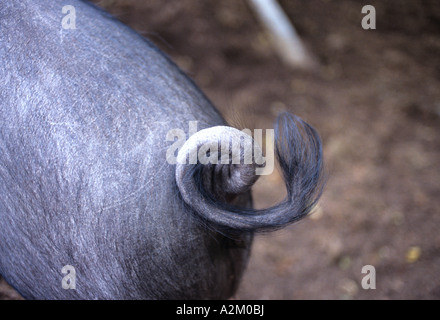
{"points": [[299, 153]]}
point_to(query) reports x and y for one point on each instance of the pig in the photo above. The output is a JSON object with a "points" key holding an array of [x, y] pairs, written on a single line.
{"points": [[89, 206]]}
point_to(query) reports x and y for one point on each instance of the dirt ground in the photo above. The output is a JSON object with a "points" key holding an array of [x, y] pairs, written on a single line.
{"points": [[375, 100]]}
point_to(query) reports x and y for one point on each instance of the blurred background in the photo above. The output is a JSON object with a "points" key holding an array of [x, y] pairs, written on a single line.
{"points": [[375, 100]]}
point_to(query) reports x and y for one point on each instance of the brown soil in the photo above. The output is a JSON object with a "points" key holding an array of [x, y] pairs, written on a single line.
{"points": [[375, 99]]}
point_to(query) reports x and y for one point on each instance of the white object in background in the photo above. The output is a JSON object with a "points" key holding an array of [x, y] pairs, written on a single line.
{"points": [[287, 41]]}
